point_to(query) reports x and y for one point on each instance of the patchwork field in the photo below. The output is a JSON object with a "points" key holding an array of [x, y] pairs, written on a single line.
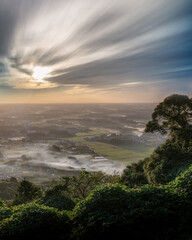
{"points": [[43, 141], [125, 153]]}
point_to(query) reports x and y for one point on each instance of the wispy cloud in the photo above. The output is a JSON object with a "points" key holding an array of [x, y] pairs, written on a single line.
{"points": [[96, 46]]}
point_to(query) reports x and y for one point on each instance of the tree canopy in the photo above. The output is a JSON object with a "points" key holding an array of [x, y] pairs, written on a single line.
{"points": [[173, 115]]}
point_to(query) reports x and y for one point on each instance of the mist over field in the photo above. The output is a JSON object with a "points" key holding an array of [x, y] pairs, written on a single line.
{"points": [[42, 141]]}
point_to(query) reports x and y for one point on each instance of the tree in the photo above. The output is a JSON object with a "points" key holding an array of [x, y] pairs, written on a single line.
{"points": [[114, 211], [79, 187], [173, 115], [57, 197], [26, 192], [35, 221], [166, 162], [133, 175]]}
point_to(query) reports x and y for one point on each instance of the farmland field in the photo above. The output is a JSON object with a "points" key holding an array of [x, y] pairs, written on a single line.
{"points": [[39, 141]]}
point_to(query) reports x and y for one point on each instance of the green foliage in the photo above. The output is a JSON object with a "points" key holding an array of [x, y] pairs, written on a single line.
{"points": [[183, 137], [110, 211], [5, 212], [166, 162], [35, 221], [70, 190], [183, 183], [8, 188], [146, 213], [79, 187], [56, 197], [26, 192], [2, 204], [174, 114], [133, 175]]}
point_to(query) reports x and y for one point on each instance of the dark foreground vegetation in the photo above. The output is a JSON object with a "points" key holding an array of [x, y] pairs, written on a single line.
{"points": [[150, 200]]}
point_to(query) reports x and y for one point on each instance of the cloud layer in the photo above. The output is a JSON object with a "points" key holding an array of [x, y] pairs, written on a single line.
{"points": [[103, 47]]}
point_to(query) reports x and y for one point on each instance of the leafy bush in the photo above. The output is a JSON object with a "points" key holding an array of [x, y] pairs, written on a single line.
{"points": [[133, 175], [2, 204], [55, 197], [183, 183], [5, 212], [36, 221], [166, 163], [146, 213]]}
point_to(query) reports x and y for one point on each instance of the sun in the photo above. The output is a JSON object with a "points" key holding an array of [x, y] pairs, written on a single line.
{"points": [[39, 73]]}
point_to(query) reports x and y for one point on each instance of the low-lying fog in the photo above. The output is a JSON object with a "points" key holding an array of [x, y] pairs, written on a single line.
{"points": [[28, 130], [38, 161]]}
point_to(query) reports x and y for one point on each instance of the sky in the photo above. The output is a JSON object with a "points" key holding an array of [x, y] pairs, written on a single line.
{"points": [[75, 51]]}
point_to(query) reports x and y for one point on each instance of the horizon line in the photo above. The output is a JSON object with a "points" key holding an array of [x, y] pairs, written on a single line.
{"points": [[38, 103]]}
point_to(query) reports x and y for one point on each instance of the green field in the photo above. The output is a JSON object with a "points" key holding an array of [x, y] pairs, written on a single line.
{"points": [[126, 154]]}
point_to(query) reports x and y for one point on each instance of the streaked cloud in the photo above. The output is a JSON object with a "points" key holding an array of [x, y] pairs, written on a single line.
{"points": [[104, 47]]}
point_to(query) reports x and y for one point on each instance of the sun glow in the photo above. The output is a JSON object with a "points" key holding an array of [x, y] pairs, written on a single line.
{"points": [[40, 73]]}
